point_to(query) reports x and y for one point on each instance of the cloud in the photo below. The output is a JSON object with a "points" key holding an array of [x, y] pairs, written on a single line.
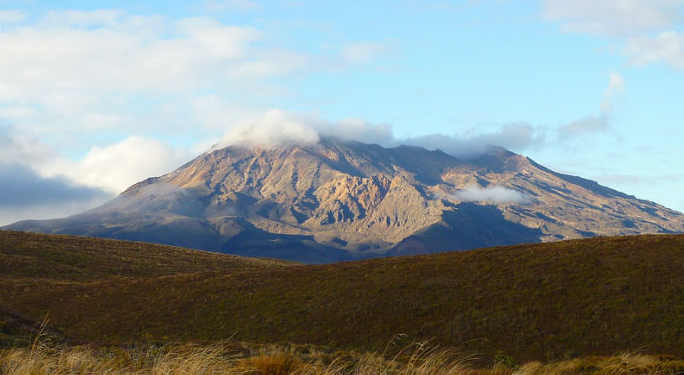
{"points": [[600, 122], [18, 148], [25, 194], [111, 168], [359, 130], [105, 51], [21, 186], [11, 16], [667, 47], [493, 194], [70, 75], [589, 124], [633, 21], [277, 128], [118, 166], [616, 87], [515, 136], [362, 52], [613, 17], [221, 5]]}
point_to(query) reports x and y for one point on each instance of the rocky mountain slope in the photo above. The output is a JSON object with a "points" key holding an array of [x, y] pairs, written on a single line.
{"points": [[340, 200]]}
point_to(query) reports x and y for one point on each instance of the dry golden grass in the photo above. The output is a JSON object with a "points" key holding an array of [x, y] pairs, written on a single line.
{"points": [[232, 359], [223, 359]]}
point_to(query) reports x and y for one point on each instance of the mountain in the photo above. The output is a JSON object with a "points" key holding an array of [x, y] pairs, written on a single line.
{"points": [[344, 200]]}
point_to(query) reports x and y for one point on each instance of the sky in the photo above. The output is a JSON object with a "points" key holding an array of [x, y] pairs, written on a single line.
{"points": [[98, 95]]}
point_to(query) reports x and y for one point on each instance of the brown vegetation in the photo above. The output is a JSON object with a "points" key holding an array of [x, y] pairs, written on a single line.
{"points": [[533, 302], [228, 358]]}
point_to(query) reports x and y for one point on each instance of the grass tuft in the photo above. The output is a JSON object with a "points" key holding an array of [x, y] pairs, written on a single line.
{"points": [[232, 359]]}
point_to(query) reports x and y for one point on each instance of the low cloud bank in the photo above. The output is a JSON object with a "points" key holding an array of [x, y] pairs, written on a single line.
{"points": [[494, 194], [515, 136], [276, 128], [21, 186], [27, 195]]}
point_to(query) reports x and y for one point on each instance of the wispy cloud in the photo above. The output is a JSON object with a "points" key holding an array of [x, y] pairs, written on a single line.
{"points": [[87, 72], [646, 29], [600, 122], [361, 52], [492, 194], [613, 17], [276, 127], [667, 47], [516, 136], [11, 16], [221, 5]]}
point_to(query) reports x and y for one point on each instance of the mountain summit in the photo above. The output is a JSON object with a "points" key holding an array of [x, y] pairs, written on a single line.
{"points": [[343, 200]]}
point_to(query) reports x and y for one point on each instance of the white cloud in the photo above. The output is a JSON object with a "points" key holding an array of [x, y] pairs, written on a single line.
{"points": [[113, 57], [493, 194], [71, 77], [221, 5], [634, 21], [361, 52], [666, 47], [111, 168], [21, 148], [118, 166], [11, 16], [75, 18], [616, 87], [359, 130], [589, 124], [600, 122], [613, 17], [277, 128], [515, 136], [273, 129], [87, 72], [215, 112]]}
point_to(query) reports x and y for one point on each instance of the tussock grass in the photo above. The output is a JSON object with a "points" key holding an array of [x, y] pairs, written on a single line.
{"points": [[232, 358], [623, 364], [224, 358]]}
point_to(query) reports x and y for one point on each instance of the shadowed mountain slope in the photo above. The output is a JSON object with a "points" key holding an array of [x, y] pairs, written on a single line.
{"points": [[539, 301], [337, 200]]}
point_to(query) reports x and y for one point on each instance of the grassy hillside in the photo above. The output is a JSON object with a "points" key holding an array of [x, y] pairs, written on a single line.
{"points": [[542, 301], [69, 258]]}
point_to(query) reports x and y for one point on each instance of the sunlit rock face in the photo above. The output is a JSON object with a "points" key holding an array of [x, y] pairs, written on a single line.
{"points": [[340, 200]]}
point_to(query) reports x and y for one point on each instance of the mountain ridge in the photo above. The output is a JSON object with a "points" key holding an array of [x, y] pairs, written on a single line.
{"points": [[343, 200]]}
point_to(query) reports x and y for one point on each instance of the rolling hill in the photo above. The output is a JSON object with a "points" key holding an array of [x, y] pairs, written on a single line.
{"points": [[539, 301]]}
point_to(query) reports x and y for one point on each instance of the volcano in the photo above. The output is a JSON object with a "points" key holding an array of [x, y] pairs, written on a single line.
{"points": [[344, 200]]}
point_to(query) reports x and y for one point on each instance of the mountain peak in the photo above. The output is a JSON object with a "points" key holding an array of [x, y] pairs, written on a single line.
{"points": [[337, 199]]}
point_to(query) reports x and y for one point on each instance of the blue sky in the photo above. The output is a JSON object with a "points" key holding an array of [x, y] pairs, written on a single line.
{"points": [[98, 95]]}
